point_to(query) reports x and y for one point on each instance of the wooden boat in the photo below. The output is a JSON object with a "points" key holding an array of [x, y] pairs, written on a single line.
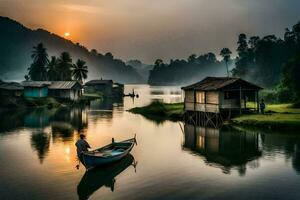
{"points": [[103, 176], [107, 154]]}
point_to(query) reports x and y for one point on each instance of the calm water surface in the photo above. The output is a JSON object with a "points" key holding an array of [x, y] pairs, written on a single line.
{"points": [[171, 161]]}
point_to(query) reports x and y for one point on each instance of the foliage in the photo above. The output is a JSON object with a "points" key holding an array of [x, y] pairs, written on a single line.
{"points": [[226, 53], [261, 60], [37, 70], [52, 71], [291, 77], [64, 67], [79, 71], [185, 71]]}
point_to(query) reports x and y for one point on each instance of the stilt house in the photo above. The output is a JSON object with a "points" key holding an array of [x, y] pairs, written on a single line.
{"points": [[221, 94]]}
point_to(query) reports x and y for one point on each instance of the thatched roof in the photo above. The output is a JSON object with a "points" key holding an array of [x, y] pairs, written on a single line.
{"points": [[218, 83]]}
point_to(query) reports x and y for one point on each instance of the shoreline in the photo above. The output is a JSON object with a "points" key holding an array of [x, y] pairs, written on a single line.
{"points": [[277, 117]]}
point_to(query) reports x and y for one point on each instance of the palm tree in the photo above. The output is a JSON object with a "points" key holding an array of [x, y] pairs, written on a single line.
{"points": [[64, 66], [79, 71], [52, 72], [225, 53], [37, 70]]}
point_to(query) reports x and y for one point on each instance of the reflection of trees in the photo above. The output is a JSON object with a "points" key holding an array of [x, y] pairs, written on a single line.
{"points": [[224, 149], [296, 158], [40, 142], [104, 109], [103, 176], [66, 120], [287, 143], [106, 104]]}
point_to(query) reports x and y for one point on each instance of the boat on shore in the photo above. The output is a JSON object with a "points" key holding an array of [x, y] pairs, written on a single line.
{"points": [[108, 154]]}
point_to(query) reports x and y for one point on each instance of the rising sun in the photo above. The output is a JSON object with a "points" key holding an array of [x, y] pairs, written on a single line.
{"points": [[67, 34]]}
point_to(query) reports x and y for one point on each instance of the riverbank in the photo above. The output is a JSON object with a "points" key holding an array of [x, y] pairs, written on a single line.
{"points": [[158, 111], [50, 102], [278, 116]]}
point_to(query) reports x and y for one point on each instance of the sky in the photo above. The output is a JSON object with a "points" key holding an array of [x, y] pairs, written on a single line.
{"points": [[151, 29]]}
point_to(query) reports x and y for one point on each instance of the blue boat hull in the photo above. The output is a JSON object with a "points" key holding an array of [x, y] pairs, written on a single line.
{"points": [[91, 159]]}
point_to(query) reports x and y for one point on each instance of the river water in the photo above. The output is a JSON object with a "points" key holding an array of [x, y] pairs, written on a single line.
{"points": [[171, 160]]}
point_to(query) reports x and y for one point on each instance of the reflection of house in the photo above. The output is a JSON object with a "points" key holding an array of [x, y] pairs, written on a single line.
{"points": [[228, 149], [217, 94], [107, 87], [11, 89], [59, 89], [36, 88], [65, 89]]}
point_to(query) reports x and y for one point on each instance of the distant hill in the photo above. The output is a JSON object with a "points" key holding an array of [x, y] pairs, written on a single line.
{"points": [[16, 42], [142, 68]]}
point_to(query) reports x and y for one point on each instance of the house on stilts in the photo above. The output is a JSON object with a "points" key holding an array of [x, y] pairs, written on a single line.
{"points": [[211, 100]]}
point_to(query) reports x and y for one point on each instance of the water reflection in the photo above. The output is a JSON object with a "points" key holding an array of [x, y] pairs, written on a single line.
{"points": [[192, 171], [287, 144], [94, 179], [226, 149], [40, 142]]}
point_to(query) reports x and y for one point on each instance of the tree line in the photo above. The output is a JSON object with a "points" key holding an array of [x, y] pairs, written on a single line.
{"points": [[55, 69], [268, 61], [185, 71], [271, 62]]}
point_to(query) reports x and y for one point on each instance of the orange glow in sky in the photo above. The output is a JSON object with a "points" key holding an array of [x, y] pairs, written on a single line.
{"points": [[67, 34]]}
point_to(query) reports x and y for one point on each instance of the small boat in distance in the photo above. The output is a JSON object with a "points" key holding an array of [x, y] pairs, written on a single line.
{"points": [[108, 154]]}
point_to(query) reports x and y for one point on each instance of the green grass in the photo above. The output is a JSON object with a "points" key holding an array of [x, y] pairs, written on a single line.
{"points": [[278, 116], [159, 112], [282, 108]]}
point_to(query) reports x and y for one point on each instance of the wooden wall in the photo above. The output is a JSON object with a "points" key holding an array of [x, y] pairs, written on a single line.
{"points": [[212, 97]]}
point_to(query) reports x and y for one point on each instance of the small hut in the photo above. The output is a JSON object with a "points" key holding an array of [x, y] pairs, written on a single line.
{"points": [[36, 88], [65, 90], [107, 87], [59, 89], [11, 89], [104, 86], [221, 95]]}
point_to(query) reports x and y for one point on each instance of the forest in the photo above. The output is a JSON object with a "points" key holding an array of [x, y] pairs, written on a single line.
{"points": [[269, 61]]}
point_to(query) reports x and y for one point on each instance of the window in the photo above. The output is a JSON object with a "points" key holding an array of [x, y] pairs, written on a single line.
{"points": [[200, 97]]}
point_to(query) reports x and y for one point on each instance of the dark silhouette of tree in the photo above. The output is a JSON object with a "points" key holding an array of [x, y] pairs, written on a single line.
{"points": [[291, 77], [52, 72], [27, 78], [80, 70], [192, 58], [184, 72], [109, 56], [64, 67], [226, 53], [37, 70]]}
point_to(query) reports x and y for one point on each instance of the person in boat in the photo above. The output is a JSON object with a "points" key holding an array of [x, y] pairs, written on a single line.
{"points": [[262, 107], [82, 145]]}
